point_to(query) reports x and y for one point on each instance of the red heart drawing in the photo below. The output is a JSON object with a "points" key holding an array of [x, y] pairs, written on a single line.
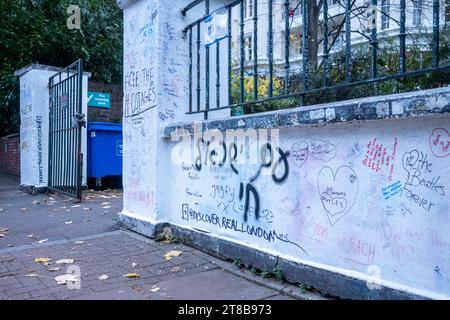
{"points": [[440, 142]]}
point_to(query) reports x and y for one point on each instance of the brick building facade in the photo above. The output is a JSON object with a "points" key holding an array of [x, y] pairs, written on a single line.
{"points": [[114, 114], [10, 154]]}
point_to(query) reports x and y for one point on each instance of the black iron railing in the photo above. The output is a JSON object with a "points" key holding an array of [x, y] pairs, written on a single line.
{"points": [[253, 68]]}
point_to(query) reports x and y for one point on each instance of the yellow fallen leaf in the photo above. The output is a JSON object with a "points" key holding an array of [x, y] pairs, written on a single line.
{"points": [[155, 289], [172, 253], [132, 275], [43, 260]]}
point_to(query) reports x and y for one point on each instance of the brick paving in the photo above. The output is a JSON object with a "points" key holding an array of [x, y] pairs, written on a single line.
{"points": [[98, 247], [116, 254]]}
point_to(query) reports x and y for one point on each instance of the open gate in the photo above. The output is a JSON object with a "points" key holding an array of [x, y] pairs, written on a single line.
{"points": [[65, 125]]}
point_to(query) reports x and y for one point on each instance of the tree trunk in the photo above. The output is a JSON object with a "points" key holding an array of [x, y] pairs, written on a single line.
{"points": [[313, 32]]}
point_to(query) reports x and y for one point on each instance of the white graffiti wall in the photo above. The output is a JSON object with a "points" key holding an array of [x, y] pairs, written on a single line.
{"points": [[140, 104], [351, 198]]}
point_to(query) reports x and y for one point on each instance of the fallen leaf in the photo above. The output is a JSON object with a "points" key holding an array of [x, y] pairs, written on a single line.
{"points": [[87, 209], [105, 203], [42, 241], [176, 269], [103, 277], [30, 235], [76, 206], [36, 202], [64, 261], [47, 263], [172, 253], [106, 207], [32, 275], [1, 209], [132, 275], [134, 264], [2, 235], [23, 209], [63, 279], [155, 289], [68, 222], [43, 260], [53, 269], [79, 242]]}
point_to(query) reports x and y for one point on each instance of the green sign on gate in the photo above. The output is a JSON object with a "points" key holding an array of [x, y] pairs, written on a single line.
{"points": [[99, 100]]}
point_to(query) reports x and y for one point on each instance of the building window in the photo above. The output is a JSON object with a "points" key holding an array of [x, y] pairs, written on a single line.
{"points": [[371, 16], [417, 12], [385, 11], [248, 8], [248, 48], [295, 9]]}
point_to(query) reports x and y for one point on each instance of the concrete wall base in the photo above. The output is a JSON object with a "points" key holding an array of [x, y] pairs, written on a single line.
{"points": [[33, 190]]}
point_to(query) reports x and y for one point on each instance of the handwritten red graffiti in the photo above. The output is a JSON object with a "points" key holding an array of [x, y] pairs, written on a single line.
{"points": [[440, 143], [379, 156]]}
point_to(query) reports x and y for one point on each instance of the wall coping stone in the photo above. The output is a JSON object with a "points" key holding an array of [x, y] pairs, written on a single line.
{"points": [[395, 106], [36, 66]]}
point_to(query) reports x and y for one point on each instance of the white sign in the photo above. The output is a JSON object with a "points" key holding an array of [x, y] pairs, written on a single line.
{"points": [[216, 26]]}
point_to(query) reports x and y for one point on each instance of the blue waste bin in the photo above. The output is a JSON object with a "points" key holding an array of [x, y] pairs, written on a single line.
{"points": [[104, 155]]}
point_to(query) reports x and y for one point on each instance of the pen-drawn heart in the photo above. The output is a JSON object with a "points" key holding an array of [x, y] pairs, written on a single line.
{"points": [[440, 142], [299, 153], [338, 191], [409, 159], [322, 150]]}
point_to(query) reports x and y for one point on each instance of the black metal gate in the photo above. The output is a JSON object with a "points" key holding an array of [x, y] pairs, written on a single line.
{"points": [[66, 121]]}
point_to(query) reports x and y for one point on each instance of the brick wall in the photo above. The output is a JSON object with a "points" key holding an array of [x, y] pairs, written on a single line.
{"points": [[10, 154], [114, 114]]}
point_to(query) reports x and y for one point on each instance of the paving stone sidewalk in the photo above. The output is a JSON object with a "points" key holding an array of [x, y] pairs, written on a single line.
{"points": [[99, 248]]}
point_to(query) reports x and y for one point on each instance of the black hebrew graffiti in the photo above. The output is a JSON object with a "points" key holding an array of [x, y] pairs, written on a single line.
{"points": [[338, 191], [278, 164]]}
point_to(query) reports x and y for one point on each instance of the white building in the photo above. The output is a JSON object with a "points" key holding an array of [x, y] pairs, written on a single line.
{"points": [[418, 14]]}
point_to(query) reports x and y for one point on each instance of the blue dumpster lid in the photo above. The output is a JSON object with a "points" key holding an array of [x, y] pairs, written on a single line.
{"points": [[105, 126]]}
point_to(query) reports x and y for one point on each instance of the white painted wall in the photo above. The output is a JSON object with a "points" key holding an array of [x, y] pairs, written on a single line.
{"points": [[156, 59], [331, 210], [34, 125], [335, 210]]}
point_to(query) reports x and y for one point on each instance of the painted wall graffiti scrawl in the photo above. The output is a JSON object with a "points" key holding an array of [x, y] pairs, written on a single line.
{"points": [[350, 198], [321, 200]]}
